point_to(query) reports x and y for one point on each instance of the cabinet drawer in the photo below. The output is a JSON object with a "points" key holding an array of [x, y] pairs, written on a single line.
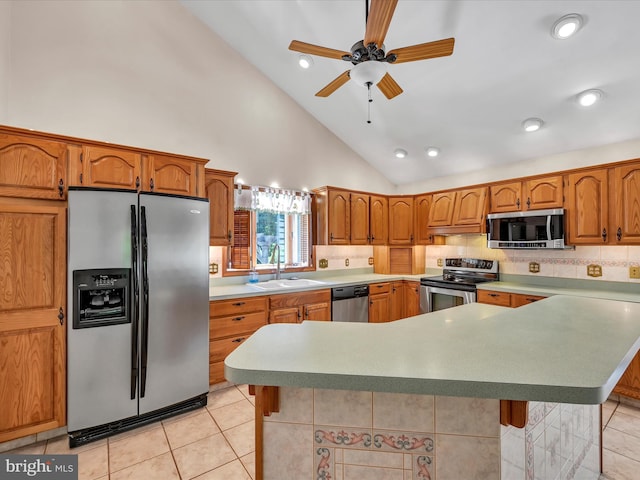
{"points": [[216, 373], [223, 308], [494, 298], [376, 288], [236, 324], [219, 349], [518, 300]]}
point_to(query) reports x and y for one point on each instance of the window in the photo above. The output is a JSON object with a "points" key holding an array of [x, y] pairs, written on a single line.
{"points": [[273, 231]]}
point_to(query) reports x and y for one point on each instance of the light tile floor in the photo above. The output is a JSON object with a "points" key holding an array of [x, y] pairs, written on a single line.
{"points": [[217, 443]]}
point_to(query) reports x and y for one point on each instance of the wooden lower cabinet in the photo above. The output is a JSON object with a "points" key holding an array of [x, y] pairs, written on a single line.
{"points": [[396, 296], [380, 302], [231, 322], [506, 299], [297, 307], [629, 384], [32, 317], [411, 298]]}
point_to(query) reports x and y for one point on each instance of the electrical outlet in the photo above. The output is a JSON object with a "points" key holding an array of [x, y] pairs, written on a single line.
{"points": [[323, 263], [440, 262], [534, 267], [346, 262], [634, 272], [370, 260], [594, 270], [213, 268]]}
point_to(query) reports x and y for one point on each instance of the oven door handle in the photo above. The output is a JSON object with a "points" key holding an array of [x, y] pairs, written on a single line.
{"points": [[134, 315], [448, 291], [145, 301]]}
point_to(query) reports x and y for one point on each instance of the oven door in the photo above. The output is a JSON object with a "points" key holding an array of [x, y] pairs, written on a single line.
{"points": [[438, 298]]}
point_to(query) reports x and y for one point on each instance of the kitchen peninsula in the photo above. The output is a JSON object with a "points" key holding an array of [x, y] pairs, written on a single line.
{"points": [[425, 397]]}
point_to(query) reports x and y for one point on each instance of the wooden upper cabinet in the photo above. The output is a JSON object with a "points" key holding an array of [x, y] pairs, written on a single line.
{"points": [[532, 194], [422, 206], [33, 318], [359, 224], [587, 207], [378, 220], [470, 207], [219, 190], [441, 212], [625, 204], [105, 167], [339, 217], [32, 167], [177, 176], [401, 221]]}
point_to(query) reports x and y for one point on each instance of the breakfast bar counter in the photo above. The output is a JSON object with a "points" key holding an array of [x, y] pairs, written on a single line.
{"points": [[425, 397]]}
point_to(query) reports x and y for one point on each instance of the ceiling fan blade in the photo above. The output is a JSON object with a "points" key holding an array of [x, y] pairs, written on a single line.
{"points": [[334, 85], [378, 21], [439, 48], [389, 87], [302, 47]]}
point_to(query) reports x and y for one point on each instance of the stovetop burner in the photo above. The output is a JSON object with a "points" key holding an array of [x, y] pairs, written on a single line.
{"points": [[465, 272]]}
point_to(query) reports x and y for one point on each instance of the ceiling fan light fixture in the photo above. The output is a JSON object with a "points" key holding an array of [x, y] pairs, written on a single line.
{"points": [[532, 124], [400, 153], [566, 26], [368, 73], [305, 61], [433, 151], [589, 97]]}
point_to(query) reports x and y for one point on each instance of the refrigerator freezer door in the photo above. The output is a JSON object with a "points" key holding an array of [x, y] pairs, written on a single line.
{"points": [[177, 349], [98, 359]]}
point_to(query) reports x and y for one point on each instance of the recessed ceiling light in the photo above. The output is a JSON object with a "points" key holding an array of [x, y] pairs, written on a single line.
{"points": [[433, 151], [400, 153], [274, 185], [566, 26], [589, 97], [305, 61], [532, 124]]}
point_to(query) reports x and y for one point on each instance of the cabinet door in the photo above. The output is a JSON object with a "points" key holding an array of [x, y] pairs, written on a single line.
{"points": [[397, 301], [629, 383], [421, 224], [110, 168], [167, 174], [506, 197], [339, 217], [359, 213], [411, 299], [219, 191], [32, 337], [32, 168], [544, 192], [441, 212], [625, 205], [285, 315], [401, 220], [378, 220], [587, 208], [317, 311], [379, 308], [470, 207]]}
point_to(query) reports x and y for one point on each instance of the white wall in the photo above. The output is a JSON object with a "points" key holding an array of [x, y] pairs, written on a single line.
{"points": [[5, 61], [614, 152], [149, 74]]}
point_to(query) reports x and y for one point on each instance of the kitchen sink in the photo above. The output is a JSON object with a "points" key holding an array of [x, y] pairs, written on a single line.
{"points": [[286, 283]]}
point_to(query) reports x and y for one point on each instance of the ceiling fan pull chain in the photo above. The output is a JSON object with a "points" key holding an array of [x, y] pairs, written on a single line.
{"points": [[369, 102]]}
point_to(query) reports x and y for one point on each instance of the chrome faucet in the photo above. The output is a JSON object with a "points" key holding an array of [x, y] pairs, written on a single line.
{"points": [[276, 251]]}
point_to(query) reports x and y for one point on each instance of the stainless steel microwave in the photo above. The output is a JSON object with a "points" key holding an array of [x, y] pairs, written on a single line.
{"points": [[531, 229]]}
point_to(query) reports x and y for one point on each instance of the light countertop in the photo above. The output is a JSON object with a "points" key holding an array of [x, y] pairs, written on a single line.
{"points": [[566, 349], [627, 292]]}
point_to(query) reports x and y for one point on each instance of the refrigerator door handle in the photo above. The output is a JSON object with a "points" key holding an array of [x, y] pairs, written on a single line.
{"points": [[145, 302], [134, 314]]}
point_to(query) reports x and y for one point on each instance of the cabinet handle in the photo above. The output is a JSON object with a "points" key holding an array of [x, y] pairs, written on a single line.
{"points": [[493, 294], [238, 304], [411, 238], [81, 179], [237, 319], [618, 233], [137, 182], [238, 340], [379, 286], [528, 203], [60, 187], [370, 302], [229, 236], [61, 316], [151, 184], [518, 203], [604, 234], [299, 316], [529, 299], [331, 237]]}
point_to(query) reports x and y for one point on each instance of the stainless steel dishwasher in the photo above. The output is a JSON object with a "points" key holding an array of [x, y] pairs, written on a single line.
{"points": [[350, 304]]}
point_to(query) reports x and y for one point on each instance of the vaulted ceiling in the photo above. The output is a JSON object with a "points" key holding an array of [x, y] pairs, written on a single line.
{"points": [[506, 67]]}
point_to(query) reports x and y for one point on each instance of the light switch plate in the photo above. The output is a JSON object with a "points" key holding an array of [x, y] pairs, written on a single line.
{"points": [[346, 262], [594, 270], [213, 268], [440, 262], [323, 263], [370, 260]]}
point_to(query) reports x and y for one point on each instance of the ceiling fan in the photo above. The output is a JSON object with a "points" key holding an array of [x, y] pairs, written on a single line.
{"points": [[369, 57]]}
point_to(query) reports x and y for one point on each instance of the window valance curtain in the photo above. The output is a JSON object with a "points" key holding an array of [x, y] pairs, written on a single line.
{"points": [[273, 200]]}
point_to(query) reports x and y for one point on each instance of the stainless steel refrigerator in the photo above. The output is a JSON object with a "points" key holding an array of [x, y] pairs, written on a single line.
{"points": [[138, 297]]}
